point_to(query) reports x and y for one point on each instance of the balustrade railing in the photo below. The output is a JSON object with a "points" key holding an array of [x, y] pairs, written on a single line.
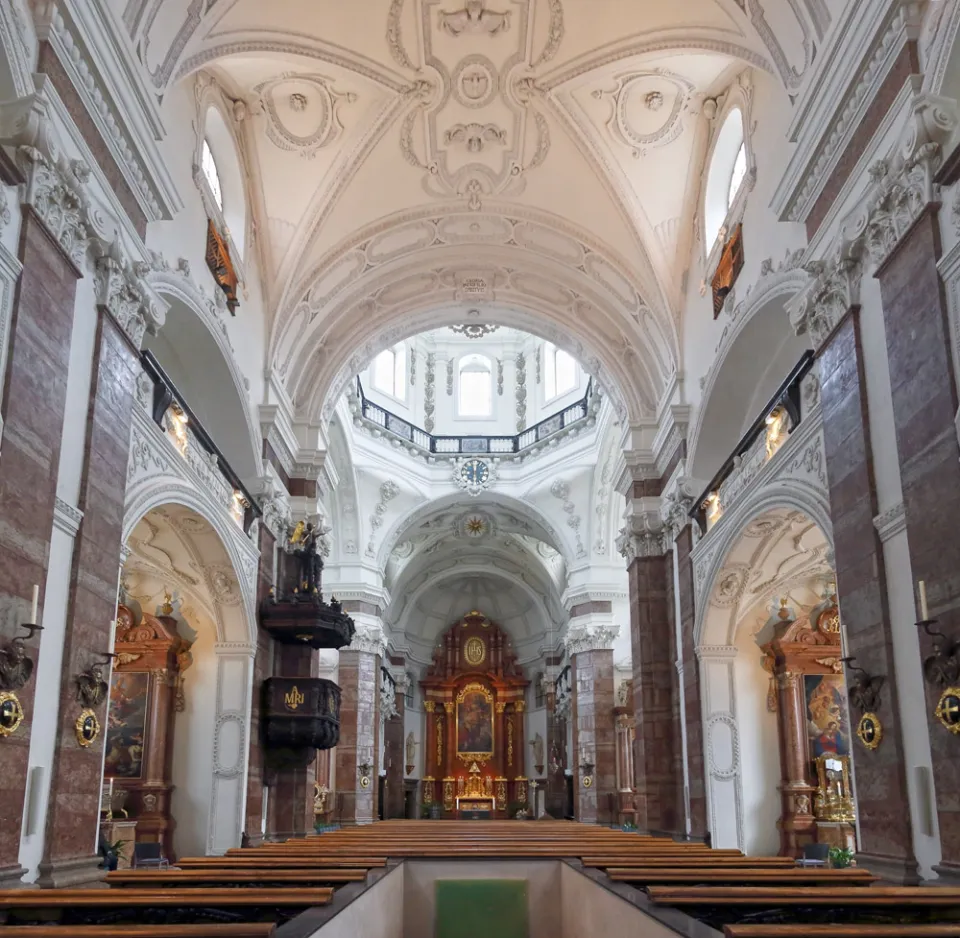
{"points": [[473, 444], [171, 412], [777, 420]]}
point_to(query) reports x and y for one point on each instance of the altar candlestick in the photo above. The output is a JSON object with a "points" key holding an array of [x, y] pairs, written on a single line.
{"points": [[33, 605], [924, 614]]}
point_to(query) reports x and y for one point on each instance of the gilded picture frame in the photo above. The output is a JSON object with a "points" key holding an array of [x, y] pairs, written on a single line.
{"points": [[948, 710], [475, 737]]}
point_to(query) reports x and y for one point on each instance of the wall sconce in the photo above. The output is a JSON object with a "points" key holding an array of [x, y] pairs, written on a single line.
{"points": [[586, 768], [942, 668]]}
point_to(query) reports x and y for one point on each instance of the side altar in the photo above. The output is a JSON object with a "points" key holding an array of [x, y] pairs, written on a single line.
{"points": [[474, 698]]}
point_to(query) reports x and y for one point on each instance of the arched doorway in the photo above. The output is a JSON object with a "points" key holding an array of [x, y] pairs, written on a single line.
{"points": [[776, 725], [176, 738]]}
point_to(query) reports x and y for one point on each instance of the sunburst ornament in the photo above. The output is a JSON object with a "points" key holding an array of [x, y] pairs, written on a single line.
{"points": [[476, 527]]}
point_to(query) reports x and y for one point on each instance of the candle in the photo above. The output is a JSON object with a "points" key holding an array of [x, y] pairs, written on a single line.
{"points": [[924, 616], [33, 605]]}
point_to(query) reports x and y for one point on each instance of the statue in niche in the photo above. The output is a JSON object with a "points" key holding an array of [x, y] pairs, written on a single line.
{"points": [[474, 18], [15, 666], [411, 749], [537, 746]]}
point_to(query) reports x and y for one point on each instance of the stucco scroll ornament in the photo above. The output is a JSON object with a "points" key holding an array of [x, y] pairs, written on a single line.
{"points": [[676, 508], [124, 293], [369, 639], [834, 290], [474, 18]]}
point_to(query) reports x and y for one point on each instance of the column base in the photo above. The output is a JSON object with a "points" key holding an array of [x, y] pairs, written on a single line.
{"points": [[77, 871], [948, 875], [902, 872], [11, 877]]}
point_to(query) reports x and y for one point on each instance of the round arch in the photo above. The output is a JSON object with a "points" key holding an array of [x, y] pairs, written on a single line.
{"points": [[732, 393], [788, 494], [195, 351], [239, 626], [499, 501]]}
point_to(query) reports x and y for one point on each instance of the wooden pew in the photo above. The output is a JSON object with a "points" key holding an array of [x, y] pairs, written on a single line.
{"points": [[760, 877], [235, 930], [280, 862], [74, 907], [241, 861], [685, 862], [842, 931], [877, 896], [217, 876]]}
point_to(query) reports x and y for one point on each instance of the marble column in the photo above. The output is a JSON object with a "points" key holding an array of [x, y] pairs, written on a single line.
{"points": [[594, 731], [657, 755], [359, 677], [829, 310], [556, 746], [796, 815], [33, 413], [924, 395], [74, 809]]}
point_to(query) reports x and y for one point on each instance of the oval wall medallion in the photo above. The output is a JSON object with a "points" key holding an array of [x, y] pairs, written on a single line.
{"points": [[723, 746], [475, 81], [87, 728]]}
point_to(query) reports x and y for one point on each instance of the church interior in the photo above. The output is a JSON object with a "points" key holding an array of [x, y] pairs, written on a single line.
{"points": [[479, 467]]}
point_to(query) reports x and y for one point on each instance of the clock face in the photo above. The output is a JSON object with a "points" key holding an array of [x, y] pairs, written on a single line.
{"points": [[475, 472]]}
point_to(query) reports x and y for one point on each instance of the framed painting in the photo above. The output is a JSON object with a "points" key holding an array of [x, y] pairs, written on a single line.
{"points": [[474, 723], [828, 725], [126, 724]]}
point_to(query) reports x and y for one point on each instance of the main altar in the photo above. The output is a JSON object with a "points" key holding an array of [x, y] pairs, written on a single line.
{"points": [[474, 698]]}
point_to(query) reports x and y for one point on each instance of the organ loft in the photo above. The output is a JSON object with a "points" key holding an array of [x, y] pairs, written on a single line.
{"points": [[479, 467]]}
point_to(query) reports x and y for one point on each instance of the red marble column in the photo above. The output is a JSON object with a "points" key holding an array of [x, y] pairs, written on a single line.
{"points": [[34, 399], [924, 395], [692, 705], [594, 732], [886, 838], [359, 679], [74, 809], [658, 751]]}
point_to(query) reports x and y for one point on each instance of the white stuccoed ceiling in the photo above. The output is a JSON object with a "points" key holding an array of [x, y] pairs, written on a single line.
{"points": [[580, 117]]}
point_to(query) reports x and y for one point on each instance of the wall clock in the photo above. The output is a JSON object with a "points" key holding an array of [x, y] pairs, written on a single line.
{"points": [[474, 475]]}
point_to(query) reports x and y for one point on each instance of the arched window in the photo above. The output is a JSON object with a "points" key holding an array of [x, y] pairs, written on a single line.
{"points": [[739, 172], [561, 374], [728, 169], [209, 166], [389, 371], [476, 386]]}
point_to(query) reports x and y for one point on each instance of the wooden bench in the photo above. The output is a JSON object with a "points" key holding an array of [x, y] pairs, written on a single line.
{"points": [[842, 931], [235, 930], [279, 862], [684, 862], [736, 875], [162, 879], [70, 908], [884, 896]]}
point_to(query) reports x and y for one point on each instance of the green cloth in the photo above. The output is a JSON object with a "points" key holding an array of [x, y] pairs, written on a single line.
{"points": [[481, 908]]}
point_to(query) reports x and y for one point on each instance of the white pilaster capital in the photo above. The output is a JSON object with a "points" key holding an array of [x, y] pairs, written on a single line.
{"points": [[582, 638]]}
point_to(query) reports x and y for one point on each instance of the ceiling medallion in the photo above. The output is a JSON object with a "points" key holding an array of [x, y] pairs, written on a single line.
{"points": [[475, 526], [475, 81], [474, 330]]}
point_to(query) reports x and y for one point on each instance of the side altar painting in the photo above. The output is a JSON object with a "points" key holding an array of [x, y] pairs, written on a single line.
{"points": [[475, 722], [126, 724], [828, 726]]}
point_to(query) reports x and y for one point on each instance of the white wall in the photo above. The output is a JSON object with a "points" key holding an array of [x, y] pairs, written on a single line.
{"points": [[192, 749], [759, 750]]}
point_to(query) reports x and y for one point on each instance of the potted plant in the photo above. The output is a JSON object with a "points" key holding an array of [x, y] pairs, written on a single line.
{"points": [[111, 851], [518, 810], [841, 857], [629, 827]]}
